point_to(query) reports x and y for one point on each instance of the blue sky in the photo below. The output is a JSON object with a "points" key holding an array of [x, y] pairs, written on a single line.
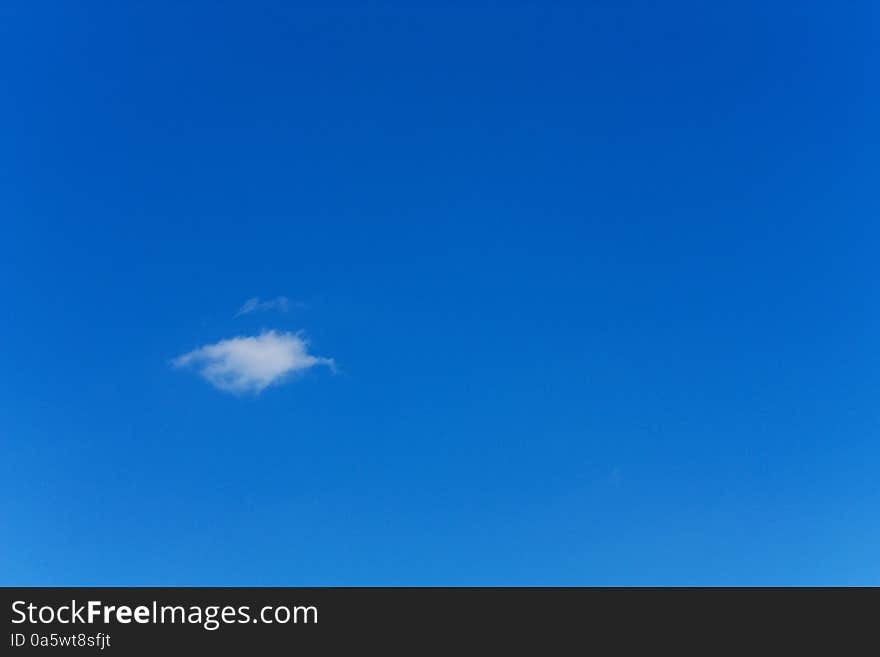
{"points": [[571, 295]]}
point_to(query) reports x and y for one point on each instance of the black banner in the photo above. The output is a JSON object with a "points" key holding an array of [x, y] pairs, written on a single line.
{"points": [[135, 621]]}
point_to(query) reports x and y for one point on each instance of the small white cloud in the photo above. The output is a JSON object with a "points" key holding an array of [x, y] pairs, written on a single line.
{"points": [[251, 363], [279, 303]]}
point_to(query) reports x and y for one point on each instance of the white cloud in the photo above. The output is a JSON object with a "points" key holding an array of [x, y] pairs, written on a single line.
{"points": [[251, 363], [255, 305]]}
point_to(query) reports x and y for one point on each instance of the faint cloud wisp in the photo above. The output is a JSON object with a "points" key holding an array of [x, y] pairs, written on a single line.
{"points": [[254, 304], [250, 364]]}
